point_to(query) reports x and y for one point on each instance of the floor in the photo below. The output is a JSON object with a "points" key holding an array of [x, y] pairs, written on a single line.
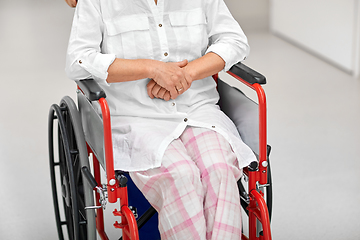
{"points": [[313, 127]]}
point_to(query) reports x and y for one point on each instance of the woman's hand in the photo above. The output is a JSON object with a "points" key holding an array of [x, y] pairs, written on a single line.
{"points": [[156, 91], [71, 3], [170, 78]]}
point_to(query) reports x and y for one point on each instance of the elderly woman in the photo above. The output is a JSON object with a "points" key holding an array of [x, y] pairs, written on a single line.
{"points": [[154, 60]]}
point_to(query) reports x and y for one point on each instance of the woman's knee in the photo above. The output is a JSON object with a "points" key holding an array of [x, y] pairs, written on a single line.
{"points": [[219, 171], [187, 173]]}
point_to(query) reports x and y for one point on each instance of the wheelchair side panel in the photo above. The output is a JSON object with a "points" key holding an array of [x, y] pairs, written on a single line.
{"points": [[93, 127], [242, 111]]}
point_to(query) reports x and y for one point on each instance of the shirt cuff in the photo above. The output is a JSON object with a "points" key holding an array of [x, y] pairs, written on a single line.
{"points": [[228, 54], [97, 65]]}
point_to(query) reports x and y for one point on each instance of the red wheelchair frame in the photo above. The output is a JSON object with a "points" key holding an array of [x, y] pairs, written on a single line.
{"points": [[257, 207], [116, 189]]}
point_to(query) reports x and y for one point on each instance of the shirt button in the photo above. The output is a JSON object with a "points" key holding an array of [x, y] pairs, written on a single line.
{"points": [[185, 119], [165, 54], [160, 25], [80, 61], [173, 104], [213, 126]]}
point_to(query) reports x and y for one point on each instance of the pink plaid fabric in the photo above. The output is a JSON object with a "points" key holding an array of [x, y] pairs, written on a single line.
{"points": [[195, 189]]}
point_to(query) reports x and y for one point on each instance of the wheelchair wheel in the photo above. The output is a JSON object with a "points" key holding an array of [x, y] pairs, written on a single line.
{"points": [[72, 155]]}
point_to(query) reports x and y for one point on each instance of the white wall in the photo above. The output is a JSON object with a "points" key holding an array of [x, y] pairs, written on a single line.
{"points": [[327, 28], [253, 15]]}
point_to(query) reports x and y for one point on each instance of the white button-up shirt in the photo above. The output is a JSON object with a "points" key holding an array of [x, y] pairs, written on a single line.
{"points": [[171, 31]]}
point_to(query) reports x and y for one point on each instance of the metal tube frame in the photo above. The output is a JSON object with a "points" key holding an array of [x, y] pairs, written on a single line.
{"points": [[257, 208], [128, 222]]}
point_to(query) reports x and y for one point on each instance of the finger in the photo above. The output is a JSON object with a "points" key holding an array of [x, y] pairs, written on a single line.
{"points": [[161, 93], [179, 86], [180, 89], [167, 96], [183, 63], [184, 84], [150, 87], [155, 90], [174, 93]]}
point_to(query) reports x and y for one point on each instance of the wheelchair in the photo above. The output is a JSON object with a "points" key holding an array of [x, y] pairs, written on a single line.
{"points": [[80, 144]]}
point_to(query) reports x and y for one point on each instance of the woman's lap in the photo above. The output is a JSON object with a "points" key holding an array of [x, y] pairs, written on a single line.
{"points": [[195, 190]]}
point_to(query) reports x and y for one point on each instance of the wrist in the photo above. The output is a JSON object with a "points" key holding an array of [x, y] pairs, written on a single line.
{"points": [[151, 67], [191, 71]]}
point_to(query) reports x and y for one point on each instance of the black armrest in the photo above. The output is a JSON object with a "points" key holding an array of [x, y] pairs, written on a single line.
{"points": [[247, 74], [91, 89]]}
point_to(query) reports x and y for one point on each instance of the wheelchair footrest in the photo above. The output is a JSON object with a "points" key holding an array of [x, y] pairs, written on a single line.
{"points": [[133, 210], [117, 213], [119, 225]]}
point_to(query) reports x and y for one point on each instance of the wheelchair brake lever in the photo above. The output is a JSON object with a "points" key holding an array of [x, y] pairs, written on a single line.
{"points": [[261, 186], [101, 190], [103, 195]]}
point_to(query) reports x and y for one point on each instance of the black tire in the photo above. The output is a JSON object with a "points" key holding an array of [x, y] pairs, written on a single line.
{"points": [[269, 192], [71, 181]]}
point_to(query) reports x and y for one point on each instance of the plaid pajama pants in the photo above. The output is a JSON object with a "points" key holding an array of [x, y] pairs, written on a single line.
{"points": [[195, 189]]}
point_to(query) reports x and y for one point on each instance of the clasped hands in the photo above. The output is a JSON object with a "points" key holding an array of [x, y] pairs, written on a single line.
{"points": [[170, 80]]}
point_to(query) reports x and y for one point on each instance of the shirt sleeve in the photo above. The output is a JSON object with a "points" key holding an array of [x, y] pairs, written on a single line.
{"points": [[227, 39], [84, 58]]}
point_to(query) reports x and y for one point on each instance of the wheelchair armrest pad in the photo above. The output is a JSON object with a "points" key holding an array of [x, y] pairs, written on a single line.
{"points": [[247, 74], [91, 89]]}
